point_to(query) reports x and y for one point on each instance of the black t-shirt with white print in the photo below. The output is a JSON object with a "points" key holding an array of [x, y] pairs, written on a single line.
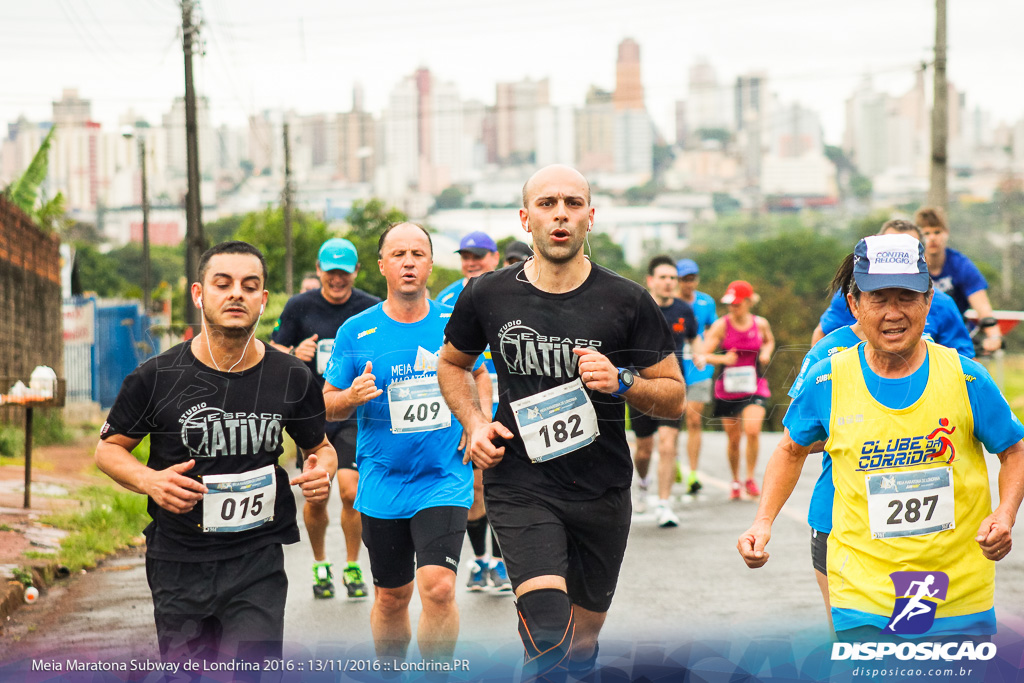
{"points": [[531, 334], [310, 313], [230, 423]]}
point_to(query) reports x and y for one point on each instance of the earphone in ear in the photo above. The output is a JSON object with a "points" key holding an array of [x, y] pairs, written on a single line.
{"points": [[262, 306], [200, 304]]}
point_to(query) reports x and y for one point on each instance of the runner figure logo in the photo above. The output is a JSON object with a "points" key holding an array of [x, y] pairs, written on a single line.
{"points": [[917, 596]]}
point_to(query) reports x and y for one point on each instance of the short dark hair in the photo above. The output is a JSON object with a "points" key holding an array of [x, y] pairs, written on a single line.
{"points": [[661, 260], [931, 217], [900, 225], [383, 235], [232, 247], [310, 275]]}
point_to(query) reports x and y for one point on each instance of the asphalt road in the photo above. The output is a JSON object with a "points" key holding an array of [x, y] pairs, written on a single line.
{"points": [[679, 587]]}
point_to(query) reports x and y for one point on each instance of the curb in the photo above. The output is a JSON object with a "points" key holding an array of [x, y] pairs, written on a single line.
{"points": [[13, 595]]}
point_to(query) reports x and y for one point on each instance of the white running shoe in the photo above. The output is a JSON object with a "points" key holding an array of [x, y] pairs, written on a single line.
{"points": [[666, 518]]}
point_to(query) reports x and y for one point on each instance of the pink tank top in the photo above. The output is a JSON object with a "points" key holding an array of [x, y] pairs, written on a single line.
{"points": [[747, 345]]}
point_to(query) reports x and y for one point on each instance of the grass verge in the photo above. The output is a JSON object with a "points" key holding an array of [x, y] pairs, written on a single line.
{"points": [[112, 519]]}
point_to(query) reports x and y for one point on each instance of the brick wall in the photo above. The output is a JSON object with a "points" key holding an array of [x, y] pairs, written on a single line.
{"points": [[31, 322]]}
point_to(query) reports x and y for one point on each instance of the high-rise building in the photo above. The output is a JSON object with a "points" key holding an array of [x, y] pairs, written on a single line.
{"points": [[750, 100], [634, 141], [516, 105], [71, 110], [262, 143], [705, 107], [682, 125], [356, 146], [177, 150], [633, 132], [865, 139], [629, 88], [794, 131], [422, 146], [595, 133], [556, 136]]}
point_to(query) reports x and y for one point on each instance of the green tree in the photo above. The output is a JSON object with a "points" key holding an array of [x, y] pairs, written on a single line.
{"points": [[720, 134], [450, 198], [603, 251], [167, 263], [223, 229], [97, 272], [265, 230], [724, 203], [642, 195], [662, 158], [861, 186], [790, 272], [51, 215], [24, 191]]}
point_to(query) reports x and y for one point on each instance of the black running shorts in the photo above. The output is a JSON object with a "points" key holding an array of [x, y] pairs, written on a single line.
{"points": [[398, 547], [220, 609], [645, 425], [582, 541], [342, 436], [819, 551], [733, 408]]}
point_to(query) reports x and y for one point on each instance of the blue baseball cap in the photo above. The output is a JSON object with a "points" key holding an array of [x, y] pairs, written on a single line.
{"points": [[338, 254], [477, 243], [685, 266], [890, 261]]}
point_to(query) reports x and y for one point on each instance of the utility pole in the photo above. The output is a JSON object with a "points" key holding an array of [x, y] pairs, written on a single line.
{"points": [[146, 284], [289, 279], [195, 242], [938, 194]]}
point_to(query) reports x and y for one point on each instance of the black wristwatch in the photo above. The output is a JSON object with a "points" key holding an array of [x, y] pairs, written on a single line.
{"points": [[626, 379]]}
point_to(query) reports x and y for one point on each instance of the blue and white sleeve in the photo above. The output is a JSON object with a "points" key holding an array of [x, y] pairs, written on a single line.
{"points": [[808, 415]]}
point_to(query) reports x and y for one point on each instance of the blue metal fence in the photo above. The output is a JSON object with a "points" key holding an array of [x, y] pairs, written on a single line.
{"points": [[122, 342]]}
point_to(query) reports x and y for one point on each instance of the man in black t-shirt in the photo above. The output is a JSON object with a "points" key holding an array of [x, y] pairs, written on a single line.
{"points": [[306, 330], [563, 334], [214, 409], [662, 283]]}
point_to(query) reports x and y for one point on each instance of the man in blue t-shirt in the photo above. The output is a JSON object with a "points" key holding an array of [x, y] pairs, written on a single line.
{"points": [[306, 330], [662, 283], [954, 273], [414, 489], [698, 380]]}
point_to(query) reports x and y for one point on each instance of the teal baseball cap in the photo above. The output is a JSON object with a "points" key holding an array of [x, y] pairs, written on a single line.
{"points": [[338, 254]]}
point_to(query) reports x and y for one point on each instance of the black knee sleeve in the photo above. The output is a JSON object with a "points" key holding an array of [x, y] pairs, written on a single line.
{"points": [[546, 627], [476, 529]]}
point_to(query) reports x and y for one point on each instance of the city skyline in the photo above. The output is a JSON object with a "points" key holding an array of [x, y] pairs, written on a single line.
{"points": [[127, 56]]}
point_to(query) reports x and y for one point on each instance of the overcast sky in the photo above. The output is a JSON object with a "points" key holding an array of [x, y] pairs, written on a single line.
{"points": [[307, 54]]}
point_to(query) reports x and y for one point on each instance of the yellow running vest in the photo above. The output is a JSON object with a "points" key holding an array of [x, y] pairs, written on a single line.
{"points": [[911, 490]]}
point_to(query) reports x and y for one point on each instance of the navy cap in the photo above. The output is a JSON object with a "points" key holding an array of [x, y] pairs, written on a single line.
{"points": [[890, 261], [477, 243], [518, 251], [685, 266]]}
